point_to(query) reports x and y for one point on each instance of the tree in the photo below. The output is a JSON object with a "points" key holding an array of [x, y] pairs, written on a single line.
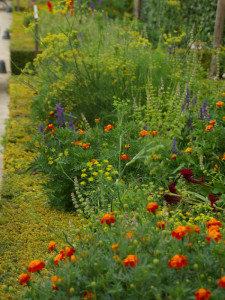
{"points": [[218, 33], [137, 9]]}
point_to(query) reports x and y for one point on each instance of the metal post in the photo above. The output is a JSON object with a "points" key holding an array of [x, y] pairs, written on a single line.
{"points": [[36, 27]]}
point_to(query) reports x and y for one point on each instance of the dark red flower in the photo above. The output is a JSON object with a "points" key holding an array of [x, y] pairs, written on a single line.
{"points": [[213, 200], [49, 4], [172, 199], [187, 174]]}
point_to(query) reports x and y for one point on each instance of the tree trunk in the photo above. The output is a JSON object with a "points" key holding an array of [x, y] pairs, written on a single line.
{"points": [[137, 9], [218, 33]]}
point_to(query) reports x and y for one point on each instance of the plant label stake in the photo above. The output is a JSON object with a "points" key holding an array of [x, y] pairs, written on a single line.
{"points": [[36, 27]]}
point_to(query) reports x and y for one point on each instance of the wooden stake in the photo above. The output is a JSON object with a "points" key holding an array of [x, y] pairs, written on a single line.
{"points": [[218, 33], [137, 9]]}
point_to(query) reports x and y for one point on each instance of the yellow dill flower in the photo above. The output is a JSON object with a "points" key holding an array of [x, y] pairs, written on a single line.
{"points": [[108, 169], [105, 161], [50, 162], [90, 179], [66, 152], [100, 171], [82, 183], [99, 165], [95, 173], [83, 175], [110, 166], [115, 172], [89, 164], [109, 178], [107, 173], [84, 170]]}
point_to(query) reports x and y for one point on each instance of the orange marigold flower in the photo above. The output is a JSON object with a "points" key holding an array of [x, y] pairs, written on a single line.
{"points": [[88, 295], [49, 127], [129, 235], [54, 287], [124, 157], [116, 257], [143, 132], [220, 104], [212, 122], [152, 207], [52, 112], [55, 279], [78, 143], [115, 246], [223, 157], [202, 294], [69, 251], [180, 232], [85, 146], [153, 133], [215, 168], [209, 127], [127, 146], [178, 261], [213, 222], [23, 278], [161, 224], [81, 131], [173, 156], [108, 127], [97, 120], [74, 258], [195, 228], [224, 118], [221, 282], [94, 161], [59, 257], [131, 260], [108, 219], [188, 150], [51, 246], [36, 265], [213, 232]]}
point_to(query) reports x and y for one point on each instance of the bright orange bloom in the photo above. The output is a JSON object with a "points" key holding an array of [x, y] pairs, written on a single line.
{"points": [[36, 265], [180, 232], [213, 232], [115, 246], [212, 122], [224, 118], [52, 113], [49, 127], [220, 104], [152, 207], [74, 258], [188, 150], [143, 132], [223, 157], [97, 120], [208, 128], [108, 127], [54, 287], [195, 228], [108, 219], [78, 143], [51, 246], [69, 251], [215, 168], [94, 161], [81, 131], [23, 278], [55, 279], [116, 257], [124, 157], [59, 257], [85, 146], [129, 235], [202, 294], [88, 295], [178, 261], [221, 282], [173, 156], [213, 222], [131, 260], [153, 133], [161, 224]]}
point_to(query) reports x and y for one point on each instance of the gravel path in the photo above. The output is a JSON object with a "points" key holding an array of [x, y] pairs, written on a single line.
{"points": [[5, 22]]}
